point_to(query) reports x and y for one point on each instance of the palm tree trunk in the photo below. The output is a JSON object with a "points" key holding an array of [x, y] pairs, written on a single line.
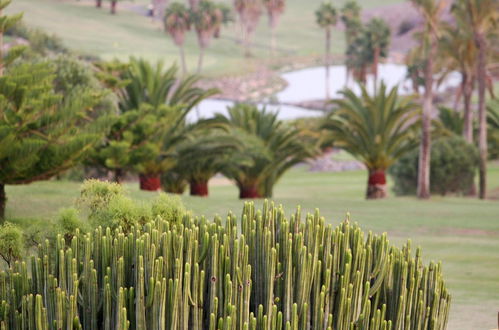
{"points": [[1, 50], [98, 3], [199, 188], [326, 60], [467, 90], [273, 41], [200, 59], [182, 59], [150, 182], [376, 184], [425, 146], [375, 68], [113, 6], [482, 114], [3, 203], [249, 191]]}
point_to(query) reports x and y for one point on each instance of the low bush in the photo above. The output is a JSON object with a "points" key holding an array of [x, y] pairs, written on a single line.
{"points": [[453, 165], [11, 243], [266, 272]]}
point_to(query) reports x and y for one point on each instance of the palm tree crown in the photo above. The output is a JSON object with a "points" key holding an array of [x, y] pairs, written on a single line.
{"points": [[376, 129]]}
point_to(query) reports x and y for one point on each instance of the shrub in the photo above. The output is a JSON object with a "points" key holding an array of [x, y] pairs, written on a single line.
{"points": [[108, 206], [11, 243], [69, 223], [168, 207], [452, 168], [267, 272]]}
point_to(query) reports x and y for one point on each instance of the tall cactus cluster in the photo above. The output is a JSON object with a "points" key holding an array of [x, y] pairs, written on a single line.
{"points": [[270, 272]]}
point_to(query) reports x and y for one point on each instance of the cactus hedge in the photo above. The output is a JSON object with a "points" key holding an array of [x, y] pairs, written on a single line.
{"points": [[268, 272]]}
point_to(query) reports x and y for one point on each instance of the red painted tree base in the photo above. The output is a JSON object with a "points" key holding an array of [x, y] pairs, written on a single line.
{"points": [[150, 182], [376, 184], [249, 192], [199, 189]]}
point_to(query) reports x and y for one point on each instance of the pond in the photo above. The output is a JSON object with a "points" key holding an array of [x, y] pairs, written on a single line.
{"points": [[309, 84]]}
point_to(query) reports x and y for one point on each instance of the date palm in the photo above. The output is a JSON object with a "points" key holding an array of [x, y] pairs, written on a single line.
{"points": [[482, 18], [431, 11], [269, 148], [378, 33], [275, 8], [327, 17], [207, 19], [458, 51], [177, 22], [350, 17], [203, 156], [376, 129], [249, 12]]}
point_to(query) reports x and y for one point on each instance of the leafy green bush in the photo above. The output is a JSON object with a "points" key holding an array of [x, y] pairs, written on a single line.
{"points": [[11, 243], [266, 272], [107, 205], [452, 168]]}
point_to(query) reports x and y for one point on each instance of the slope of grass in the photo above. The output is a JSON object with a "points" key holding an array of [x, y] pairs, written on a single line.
{"points": [[463, 233], [89, 30]]}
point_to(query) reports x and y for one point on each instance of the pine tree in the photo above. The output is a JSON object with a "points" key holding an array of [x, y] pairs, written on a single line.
{"points": [[42, 132]]}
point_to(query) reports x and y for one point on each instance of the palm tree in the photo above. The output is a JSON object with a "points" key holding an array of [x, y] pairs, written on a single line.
{"points": [[207, 19], [177, 21], [457, 49], [275, 8], [202, 157], [378, 33], [249, 12], [327, 17], [153, 87], [482, 18], [113, 6], [431, 11], [350, 16], [376, 129], [269, 149]]}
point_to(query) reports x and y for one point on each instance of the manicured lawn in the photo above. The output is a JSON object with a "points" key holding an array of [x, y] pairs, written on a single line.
{"points": [[96, 32], [463, 233]]}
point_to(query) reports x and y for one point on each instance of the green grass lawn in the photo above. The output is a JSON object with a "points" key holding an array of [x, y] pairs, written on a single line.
{"points": [[463, 233], [92, 31]]}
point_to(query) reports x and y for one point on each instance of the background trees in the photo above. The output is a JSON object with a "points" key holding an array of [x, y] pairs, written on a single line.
{"points": [[482, 18], [431, 12], [376, 129], [326, 18], [177, 22], [249, 12], [275, 8]]}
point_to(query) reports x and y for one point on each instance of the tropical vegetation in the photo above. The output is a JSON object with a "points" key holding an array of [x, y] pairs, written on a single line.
{"points": [[376, 129]]}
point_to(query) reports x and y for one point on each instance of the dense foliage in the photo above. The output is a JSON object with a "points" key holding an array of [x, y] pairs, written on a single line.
{"points": [[376, 129], [264, 270], [269, 148], [453, 167]]}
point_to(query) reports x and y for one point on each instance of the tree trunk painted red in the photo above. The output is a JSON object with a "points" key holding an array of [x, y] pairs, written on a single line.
{"points": [[249, 192], [98, 3], [113, 7], [199, 188], [376, 184], [150, 182], [3, 202]]}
